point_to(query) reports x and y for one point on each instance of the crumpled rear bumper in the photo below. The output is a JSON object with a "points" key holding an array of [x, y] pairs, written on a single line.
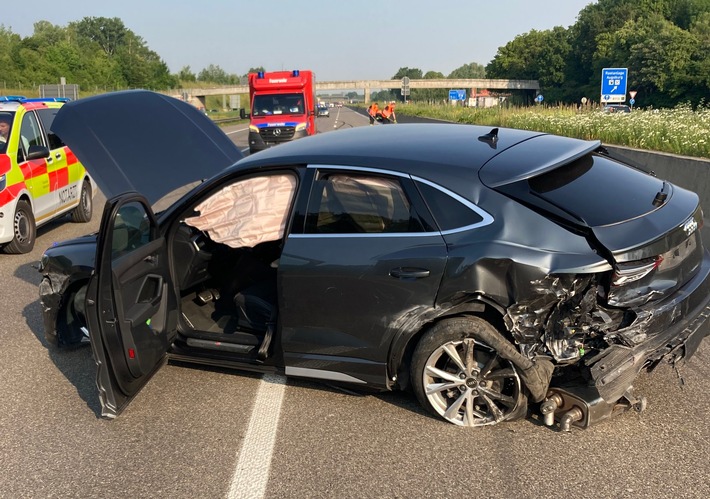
{"points": [[670, 330]]}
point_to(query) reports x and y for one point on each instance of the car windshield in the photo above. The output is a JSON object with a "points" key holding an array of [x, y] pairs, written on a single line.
{"points": [[5, 128], [278, 104]]}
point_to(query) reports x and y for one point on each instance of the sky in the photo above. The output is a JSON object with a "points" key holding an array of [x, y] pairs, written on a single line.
{"points": [[339, 40]]}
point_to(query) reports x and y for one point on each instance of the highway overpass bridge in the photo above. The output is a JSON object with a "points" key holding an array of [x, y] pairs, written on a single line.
{"points": [[367, 86]]}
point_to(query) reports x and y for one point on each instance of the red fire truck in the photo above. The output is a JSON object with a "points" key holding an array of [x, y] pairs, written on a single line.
{"points": [[283, 107]]}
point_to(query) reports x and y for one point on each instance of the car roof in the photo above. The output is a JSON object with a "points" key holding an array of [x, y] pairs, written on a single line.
{"points": [[143, 141], [424, 149], [15, 103], [404, 147], [9, 106]]}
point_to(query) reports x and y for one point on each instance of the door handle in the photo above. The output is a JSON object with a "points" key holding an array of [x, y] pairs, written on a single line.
{"points": [[409, 273]]}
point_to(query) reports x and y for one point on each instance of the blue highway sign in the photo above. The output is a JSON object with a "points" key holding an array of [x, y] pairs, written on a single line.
{"points": [[457, 95], [614, 84]]}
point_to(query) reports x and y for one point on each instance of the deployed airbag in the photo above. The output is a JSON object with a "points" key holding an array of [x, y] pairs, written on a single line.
{"points": [[248, 212]]}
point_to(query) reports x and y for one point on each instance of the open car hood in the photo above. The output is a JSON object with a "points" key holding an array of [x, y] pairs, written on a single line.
{"points": [[143, 141]]}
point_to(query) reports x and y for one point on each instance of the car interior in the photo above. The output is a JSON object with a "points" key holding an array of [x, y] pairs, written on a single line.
{"points": [[225, 258], [226, 251]]}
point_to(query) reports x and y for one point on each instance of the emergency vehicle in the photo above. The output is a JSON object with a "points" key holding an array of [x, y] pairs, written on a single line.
{"points": [[283, 107], [40, 178]]}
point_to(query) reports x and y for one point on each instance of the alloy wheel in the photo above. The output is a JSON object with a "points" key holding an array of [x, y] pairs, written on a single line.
{"points": [[469, 384]]}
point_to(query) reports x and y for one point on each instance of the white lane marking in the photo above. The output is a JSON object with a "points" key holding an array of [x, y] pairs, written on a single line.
{"points": [[252, 471]]}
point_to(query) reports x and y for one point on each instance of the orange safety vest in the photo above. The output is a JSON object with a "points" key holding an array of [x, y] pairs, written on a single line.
{"points": [[372, 110]]}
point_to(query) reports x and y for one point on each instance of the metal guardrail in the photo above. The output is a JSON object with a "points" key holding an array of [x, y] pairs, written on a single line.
{"points": [[227, 120]]}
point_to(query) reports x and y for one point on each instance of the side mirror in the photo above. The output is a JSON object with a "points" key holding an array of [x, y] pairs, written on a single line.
{"points": [[243, 114], [37, 152]]}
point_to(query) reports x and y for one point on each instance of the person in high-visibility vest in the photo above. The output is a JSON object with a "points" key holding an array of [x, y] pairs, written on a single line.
{"points": [[372, 111], [388, 113]]}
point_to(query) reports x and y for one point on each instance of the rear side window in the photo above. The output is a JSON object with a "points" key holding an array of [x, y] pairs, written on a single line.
{"points": [[449, 213], [344, 203], [46, 116], [597, 190]]}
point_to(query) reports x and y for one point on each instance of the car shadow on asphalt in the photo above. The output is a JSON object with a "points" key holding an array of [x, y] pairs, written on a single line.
{"points": [[28, 271], [401, 399], [76, 363]]}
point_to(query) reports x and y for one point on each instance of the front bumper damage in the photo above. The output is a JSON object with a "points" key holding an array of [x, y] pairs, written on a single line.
{"points": [[50, 301]]}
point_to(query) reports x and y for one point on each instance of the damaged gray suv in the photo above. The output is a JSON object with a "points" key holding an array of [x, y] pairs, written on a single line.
{"points": [[493, 271]]}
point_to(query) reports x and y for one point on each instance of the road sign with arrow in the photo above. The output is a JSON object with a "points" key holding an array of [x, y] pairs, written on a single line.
{"points": [[614, 84]]}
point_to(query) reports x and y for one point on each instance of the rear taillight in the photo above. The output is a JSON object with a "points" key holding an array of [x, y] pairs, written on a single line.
{"points": [[629, 272]]}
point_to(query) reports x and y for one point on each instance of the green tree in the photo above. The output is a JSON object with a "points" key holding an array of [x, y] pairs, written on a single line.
{"points": [[657, 54], [430, 94], [213, 74], [383, 96], [684, 12], [698, 83], [142, 67], [186, 75], [9, 43], [413, 73], [605, 16], [46, 33], [469, 71], [536, 55], [107, 33]]}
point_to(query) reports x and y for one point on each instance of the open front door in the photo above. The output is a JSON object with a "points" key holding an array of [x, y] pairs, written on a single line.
{"points": [[131, 306]]}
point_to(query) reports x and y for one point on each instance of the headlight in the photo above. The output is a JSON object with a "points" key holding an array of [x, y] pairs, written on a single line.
{"points": [[300, 126], [253, 128], [43, 262]]}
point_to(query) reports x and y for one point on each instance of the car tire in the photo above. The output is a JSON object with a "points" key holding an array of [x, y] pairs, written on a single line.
{"points": [[23, 228], [70, 318], [85, 210], [458, 377]]}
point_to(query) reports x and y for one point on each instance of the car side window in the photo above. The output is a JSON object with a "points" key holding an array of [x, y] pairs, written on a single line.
{"points": [[449, 213], [352, 203], [46, 116], [30, 133], [131, 229]]}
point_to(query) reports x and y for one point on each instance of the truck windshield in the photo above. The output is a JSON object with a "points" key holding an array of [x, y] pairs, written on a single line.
{"points": [[278, 104]]}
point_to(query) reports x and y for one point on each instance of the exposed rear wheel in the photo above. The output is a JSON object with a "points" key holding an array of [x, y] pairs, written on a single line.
{"points": [[23, 228], [463, 380]]}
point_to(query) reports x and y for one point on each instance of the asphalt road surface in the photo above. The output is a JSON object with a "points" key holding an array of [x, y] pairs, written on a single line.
{"points": [[203, 433]]}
